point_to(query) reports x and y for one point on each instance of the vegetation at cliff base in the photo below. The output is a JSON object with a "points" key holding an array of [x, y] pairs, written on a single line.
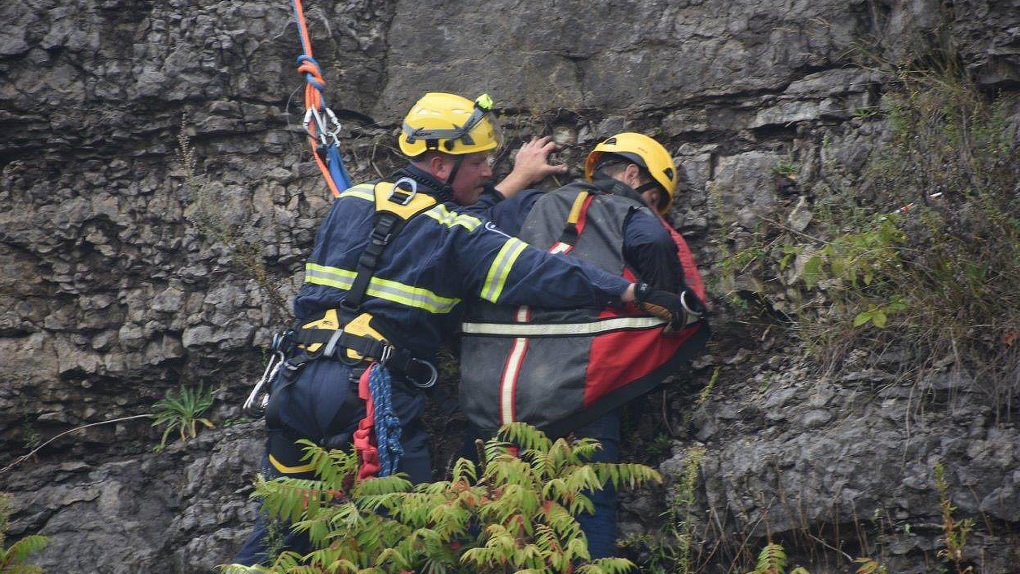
{"points": [[514, 512]]}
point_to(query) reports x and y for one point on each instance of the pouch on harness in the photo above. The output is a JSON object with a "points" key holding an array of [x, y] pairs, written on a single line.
{"points": [[559, 369]]}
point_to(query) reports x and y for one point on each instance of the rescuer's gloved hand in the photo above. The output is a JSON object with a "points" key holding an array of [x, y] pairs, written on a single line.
{"points": [[679, 310]]}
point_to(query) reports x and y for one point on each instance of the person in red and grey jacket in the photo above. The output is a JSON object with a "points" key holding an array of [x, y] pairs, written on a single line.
{"points": [[570, 371]]}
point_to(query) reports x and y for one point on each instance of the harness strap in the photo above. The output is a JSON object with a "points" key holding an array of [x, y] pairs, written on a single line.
{"points": [[570, 231], [395, 206], [397, 360]]}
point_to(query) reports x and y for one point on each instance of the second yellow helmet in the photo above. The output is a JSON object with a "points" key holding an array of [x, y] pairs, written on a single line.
{"points": [[644, 151]]}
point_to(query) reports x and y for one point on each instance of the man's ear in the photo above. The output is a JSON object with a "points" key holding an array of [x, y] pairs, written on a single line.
{"points": [[632, 175], [438, 167]]}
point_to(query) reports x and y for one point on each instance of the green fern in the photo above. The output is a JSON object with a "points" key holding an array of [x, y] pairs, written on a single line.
{"points": [[13, 557], [513, 513]]}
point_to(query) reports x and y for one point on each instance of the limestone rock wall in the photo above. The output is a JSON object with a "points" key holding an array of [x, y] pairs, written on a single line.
{"points": [[118, 280]]}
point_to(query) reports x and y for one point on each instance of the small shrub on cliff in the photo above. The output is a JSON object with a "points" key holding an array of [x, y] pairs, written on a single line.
{"points": [[182, 412], [204, 213], [675, 551], [922, 251], [954, 531], [12, 558], [513, 513]]}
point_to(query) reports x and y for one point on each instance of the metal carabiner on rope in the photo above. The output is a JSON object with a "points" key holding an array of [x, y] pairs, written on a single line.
{"points": [[319, 131], [335, 132]]}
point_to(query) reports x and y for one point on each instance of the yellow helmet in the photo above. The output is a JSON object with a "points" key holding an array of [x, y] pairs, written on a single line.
{"points": [[644, 151], [448, 123]]}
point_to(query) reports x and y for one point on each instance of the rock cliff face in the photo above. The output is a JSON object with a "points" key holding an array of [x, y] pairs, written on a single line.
{"points": [[118, 242]]}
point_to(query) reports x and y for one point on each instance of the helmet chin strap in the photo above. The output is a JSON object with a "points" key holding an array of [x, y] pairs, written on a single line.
{"points": [[453, 172]]}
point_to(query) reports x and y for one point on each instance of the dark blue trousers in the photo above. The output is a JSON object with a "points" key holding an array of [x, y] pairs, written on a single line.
{"points": [[322, 405]]}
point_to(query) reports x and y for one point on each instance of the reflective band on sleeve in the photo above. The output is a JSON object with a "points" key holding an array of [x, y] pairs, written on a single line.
{"points": [[395, 291], [362, 191], [500, 269], [561, 329], [452, 218]]}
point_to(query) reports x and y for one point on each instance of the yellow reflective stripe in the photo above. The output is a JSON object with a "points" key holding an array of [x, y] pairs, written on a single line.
{"points": [[360, 191], [410, 296], [290, 469], [395, 291], [500, 269], [451, 218], [329, 276]]}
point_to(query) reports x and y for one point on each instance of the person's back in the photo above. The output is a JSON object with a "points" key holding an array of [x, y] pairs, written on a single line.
{"points": [[570, 371], [573, 357]]}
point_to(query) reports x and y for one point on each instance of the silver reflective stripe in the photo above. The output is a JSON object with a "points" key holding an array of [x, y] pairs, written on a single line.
{"points": [[561, 329]]}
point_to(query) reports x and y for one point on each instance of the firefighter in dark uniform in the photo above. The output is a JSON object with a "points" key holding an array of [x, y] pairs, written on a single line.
{"points": [[392, 262], [628, 174]]}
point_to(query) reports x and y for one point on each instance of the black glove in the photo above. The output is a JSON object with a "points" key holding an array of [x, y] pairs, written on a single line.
{"points": [[679, 310]]}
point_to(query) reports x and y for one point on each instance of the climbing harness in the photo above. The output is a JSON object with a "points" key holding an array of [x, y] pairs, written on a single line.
{"points": [[349, 335], [320, 122]]}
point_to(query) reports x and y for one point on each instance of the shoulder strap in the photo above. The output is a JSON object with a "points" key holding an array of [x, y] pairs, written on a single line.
{"points": [[395, 205], [571, 230]]}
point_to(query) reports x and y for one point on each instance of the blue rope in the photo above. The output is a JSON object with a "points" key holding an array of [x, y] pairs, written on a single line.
{"points": [[336, 168], [387, 425]]}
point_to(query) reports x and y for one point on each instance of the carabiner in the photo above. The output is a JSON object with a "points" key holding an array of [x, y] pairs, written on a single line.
{"points": [[335, 132], [312, 114], [257, 401], [433, 375]]}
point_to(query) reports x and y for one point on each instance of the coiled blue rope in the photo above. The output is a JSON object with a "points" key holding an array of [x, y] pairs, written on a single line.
{"points": [[387, 425]]}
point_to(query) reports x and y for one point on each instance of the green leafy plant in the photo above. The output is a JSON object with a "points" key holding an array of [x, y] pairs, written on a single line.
{"points": [[182, 412], [783, 168], [512, 513], [954, 532], [870, 566], [772, 560], [12, 558]]}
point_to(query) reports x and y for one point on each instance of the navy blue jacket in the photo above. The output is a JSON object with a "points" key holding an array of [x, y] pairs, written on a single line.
{"points": [[440, 258]]}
